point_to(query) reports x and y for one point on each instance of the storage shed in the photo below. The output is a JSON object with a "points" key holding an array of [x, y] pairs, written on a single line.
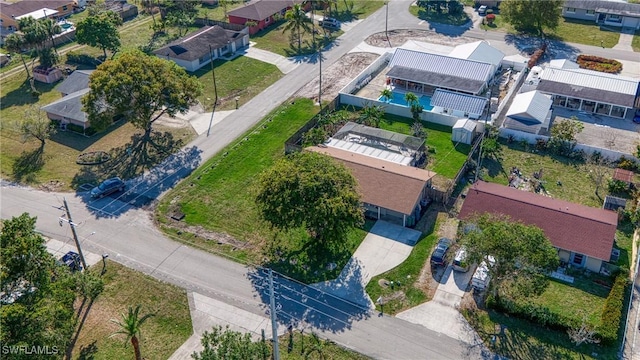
{"points": [[463, 131]]}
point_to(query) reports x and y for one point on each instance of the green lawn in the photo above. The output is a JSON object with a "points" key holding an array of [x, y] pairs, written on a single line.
{"points": [[442, 18], [276, 40], [447, 158], [243, 77], [569, 30], [636, 41], [162, 334]]}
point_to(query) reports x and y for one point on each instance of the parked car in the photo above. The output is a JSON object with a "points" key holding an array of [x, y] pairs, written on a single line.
{"points": [[460, 260], [328, 22], [438, 257], [482, 10], [636, 117], [108, 187], [72, 260]]}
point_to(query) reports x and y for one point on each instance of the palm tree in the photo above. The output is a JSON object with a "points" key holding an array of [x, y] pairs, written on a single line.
{"points": [[387, 94], [410, 98], [297, 21], [14, 43], [370, 115], [130, 326], [317, 346], [52, 28]]}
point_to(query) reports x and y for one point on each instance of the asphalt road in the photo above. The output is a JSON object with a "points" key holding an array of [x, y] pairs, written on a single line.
{"points": [[126, 231]]}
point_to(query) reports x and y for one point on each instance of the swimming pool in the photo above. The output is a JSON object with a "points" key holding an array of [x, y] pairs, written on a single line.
{"points": [[398, 99], [65, 26]]}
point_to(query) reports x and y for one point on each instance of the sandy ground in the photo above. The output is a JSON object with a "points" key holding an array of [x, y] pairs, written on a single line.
{"points": [[399, 37]]}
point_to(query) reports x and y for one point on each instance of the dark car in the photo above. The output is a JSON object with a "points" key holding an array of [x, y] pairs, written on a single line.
{"points": [[329, 23], [439, 254], [636, 117], [108, 187], [72, 260]]}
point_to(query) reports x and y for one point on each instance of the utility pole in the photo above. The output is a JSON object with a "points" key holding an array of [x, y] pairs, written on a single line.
{"points": [[73, 231], [215, 90], [274, 323], [386, 19]]}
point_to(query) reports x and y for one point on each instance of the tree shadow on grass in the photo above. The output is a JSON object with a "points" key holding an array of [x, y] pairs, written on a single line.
{"points": [[23, 96], [88, 352], [80, 142], [27, 164], [153, 164], [493, 167]]}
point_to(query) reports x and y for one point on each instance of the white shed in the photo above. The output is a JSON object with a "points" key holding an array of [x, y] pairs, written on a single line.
{"points": [[463, 131]]}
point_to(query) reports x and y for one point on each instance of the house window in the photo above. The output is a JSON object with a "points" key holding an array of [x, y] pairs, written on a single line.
{"points": [[578, 259], [571, 10], [615, 18], [591, 12], [267, 20]]}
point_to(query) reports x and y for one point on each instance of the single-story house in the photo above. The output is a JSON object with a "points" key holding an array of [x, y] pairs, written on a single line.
{"points": [[464, 130], [479, 51], [610, 13], [389, 191], [458, 104], [586, 90], [193, 50], [583, 235], [78, 80], [529, 112], [10, 13], [422, 72], [68, 110], [261, 12]]}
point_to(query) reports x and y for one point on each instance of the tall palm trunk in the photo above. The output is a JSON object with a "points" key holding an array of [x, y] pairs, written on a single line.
{"points": [[299, 40], [136, 347]]}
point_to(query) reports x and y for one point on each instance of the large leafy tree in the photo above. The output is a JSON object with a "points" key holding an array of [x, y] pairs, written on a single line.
{"points": [[37, 295], [131, 327], [232, 345], [532, 15], [143, 88], [100, 30], [310, 190], [297, 22], [180, 13], [15, 43], [522, 253]]}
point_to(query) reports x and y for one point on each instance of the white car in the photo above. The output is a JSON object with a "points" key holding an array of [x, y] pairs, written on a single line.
{"points": [[482, 10]]}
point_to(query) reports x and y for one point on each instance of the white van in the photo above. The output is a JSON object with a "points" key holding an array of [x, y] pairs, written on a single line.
{"points": [[481, 277], [460, 260]]}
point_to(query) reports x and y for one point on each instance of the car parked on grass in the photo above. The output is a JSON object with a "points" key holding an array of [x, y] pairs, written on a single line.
{"points": [[438, 257], [72, 260], [108, 187]]}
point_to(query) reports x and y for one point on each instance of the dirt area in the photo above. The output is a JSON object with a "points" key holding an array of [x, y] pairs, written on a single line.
{"points": [[337, 76], [399, 37]]}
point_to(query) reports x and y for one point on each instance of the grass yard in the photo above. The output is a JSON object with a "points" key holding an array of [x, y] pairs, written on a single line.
{"points": [[162, 334], [276, 40], [635, 43], [301, 346], [442, 18], [243, 77], [527, 341], [408, 273], [569, 30], [447, 158]]}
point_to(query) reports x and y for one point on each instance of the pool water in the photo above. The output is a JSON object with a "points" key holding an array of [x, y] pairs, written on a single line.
{"points": [[398, 99], [65, 26]]}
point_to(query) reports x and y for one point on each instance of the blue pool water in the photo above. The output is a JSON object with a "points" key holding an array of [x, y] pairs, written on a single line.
{"points": [[65, 26], [398, 99]]}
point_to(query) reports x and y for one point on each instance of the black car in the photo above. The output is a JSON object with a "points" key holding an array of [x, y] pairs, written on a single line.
{"points": [[72, 260], [439, 254], [108, 187]]}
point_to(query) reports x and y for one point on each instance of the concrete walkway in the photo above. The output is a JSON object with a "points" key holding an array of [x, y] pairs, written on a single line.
{"points": [[58, 248], [626, 38], [441, 313], [286, 65], [385, 247]]}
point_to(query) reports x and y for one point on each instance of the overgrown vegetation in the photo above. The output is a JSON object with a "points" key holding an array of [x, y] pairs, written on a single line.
{"points": [[612, 312], [598, 63]]}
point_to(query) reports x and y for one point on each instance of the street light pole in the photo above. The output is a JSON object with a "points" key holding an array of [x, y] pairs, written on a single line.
{"points": [[215, 90], [386, 19]]}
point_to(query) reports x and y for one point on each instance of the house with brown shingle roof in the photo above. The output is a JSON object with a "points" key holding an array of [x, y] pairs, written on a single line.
{"points": [[389, 191], [583, 235]]}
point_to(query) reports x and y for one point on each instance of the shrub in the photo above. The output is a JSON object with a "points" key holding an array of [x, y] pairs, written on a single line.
{"points": [[612, 311], [78, 129], [616, 186], [537, 55], [490, 18], [598, 63], [627, 164], [84, 59], [534, 312]]}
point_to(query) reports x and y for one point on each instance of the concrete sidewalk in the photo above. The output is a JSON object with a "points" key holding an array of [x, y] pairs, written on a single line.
{"points": [[58, 248], [286, 65], [626, 38]]}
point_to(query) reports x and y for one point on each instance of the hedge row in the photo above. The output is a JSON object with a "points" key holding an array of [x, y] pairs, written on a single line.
{"points": [[598, 63], [612, 312], [533, 60], [534, 312], [82, 59]]}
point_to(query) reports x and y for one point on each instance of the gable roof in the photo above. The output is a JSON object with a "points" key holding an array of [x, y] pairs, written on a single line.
{"points": [[467, 125], [24, 7], [532, 105], [623, 175], [196, 44], [604, 6], [573, 227], [383, 183], [69, 106], [77, 81], [589, 85], [457, 101], [439, 70], [262, 9], [478, 51]]}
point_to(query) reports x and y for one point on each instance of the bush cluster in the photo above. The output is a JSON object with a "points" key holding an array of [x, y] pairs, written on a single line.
{"points": [[537, 55], [612, 311], [82, 59], [598, 63], [536, 313], [627, 164], [77, 128]]}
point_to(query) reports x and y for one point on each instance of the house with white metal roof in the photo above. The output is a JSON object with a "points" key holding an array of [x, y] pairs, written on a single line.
{"points": [[529, 112], [587, 90], [458, 104], [479, 51], [421, 72]]}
